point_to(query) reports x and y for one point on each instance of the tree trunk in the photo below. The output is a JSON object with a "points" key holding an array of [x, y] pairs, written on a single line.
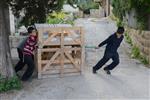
{"points": [[6, 67]]}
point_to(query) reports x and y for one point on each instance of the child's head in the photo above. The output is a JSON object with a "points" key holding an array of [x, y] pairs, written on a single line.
{"points": [[32, 31], [120, 30]]}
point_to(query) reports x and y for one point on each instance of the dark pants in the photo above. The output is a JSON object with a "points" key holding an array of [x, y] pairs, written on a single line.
{"points": [[26, 59], [107, 56]]}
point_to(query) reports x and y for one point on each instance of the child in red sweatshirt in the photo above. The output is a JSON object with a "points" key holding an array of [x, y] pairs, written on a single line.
{"points": [[28, 49]]}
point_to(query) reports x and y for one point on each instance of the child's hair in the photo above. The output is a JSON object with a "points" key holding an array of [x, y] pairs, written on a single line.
{"points": [[120, 30], [30, 29]]}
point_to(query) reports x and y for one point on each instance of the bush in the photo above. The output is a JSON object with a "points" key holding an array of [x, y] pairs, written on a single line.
{"points": [[87, 5], [135, 53], [144, 60], [128, 39], [9, 84], [120, 23], [58, 18]]}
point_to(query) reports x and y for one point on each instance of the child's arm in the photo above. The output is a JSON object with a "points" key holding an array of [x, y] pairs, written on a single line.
{"points": [[105, 41]]}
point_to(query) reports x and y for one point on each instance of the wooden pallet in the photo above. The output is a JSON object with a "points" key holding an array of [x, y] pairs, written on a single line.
{"points": [[58, 54]]}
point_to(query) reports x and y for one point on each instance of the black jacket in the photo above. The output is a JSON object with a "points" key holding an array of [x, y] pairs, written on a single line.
{"points": [[112, 42]]}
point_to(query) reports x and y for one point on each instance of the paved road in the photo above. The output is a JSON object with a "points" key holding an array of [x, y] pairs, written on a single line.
{"points": [[129, 81]]}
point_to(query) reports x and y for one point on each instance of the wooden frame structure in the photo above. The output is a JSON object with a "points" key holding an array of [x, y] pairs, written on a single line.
{"points": [[58, 53]]}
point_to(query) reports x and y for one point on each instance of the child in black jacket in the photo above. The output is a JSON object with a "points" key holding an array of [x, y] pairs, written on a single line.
{"points": [[113, 42]]}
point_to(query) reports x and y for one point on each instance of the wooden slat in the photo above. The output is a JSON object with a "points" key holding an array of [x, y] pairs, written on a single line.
{"points": [[50, 38], [83, 48], [72, 60], [51, 60], [65, 71], [65, 43], [39, 63], [56, 49], [62, 54]]}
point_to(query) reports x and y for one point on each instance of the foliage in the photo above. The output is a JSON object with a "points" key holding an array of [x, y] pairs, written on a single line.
{"points": [[35, 11], [143, 60], [142, 7], [84, 5], [9, 84], [135, 52], [142, 23], [88, 5], [59, 15], [120, 23], [58, 18], [128, 39]]}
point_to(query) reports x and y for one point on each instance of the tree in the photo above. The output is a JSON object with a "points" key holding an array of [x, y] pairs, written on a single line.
{"points": [[35, 10], [6, 67], [142, 8]]}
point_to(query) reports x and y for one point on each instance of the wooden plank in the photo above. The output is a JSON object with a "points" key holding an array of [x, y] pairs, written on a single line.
{"points": [[62, 54], [56, 49], [55, 62], [40, 39], [72, 60], [65, 43], [50, 38], [83, 48], [51, 60], [56, 69], [50, 49], [65, 71], [39, 63]]}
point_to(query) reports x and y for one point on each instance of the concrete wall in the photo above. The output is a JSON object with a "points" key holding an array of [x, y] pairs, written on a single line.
{"points": [[131, 19]]}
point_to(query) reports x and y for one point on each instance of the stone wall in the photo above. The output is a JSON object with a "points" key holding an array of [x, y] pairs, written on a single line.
{"points": [[141, 39]]}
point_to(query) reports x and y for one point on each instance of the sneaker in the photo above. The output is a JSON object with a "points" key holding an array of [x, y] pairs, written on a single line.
{"points": [[107, 71], [94, 71]]}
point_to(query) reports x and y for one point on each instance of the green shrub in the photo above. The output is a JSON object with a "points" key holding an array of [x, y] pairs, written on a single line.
{"points": [[120, 23], [58, 18], [144, 60], [9, 84], [128, 39], [135, 53]]}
